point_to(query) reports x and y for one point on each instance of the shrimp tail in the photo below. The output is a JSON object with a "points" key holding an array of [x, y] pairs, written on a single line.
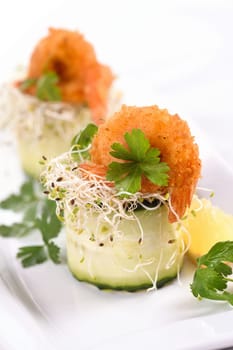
{"points": [[180, 199]]}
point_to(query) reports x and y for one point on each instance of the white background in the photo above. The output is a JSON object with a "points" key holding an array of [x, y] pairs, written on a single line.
{"points": [[176, 54]]}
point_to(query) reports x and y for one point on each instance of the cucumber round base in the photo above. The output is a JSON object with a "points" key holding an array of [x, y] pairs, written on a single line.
{"points": [[53, 140], [125, 260], [45, 128]]}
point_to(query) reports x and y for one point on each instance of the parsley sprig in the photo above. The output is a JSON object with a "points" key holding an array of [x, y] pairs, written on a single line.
{"points": [[46, 86], [211, 277], [141, 160], [38, 214]]}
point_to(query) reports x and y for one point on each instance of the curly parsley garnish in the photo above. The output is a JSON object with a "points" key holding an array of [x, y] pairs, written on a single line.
{"points": [[141, 160], [39, 215], [211, 277], [46, 86]]}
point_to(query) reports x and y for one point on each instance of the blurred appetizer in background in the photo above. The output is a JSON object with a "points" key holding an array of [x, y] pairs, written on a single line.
{"points": [[122, 198], [63, 89]]}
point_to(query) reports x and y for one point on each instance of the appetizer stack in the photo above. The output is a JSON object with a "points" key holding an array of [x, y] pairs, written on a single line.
{"points": [[64, 89], [122, 191]]}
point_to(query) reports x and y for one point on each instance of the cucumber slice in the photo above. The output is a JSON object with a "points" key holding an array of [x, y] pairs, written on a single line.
{"points": [[122, 260], [54, 139]]}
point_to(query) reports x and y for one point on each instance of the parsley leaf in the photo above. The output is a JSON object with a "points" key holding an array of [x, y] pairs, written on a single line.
{"points": [[211, 277], [26, 84], [130, 183], [15, 230], [48, 224], [221, 251], [46, 86], [141, 160], [82, 141], [138, 144], [54, 252], [32, 255], [39, 215], [18, 202]]}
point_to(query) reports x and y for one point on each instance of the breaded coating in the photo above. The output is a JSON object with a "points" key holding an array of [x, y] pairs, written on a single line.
{"points": [[83, 80], [170, 134]]}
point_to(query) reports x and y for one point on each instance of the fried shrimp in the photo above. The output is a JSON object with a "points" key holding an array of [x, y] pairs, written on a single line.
{"points": [[82, 79], [170, 134]]}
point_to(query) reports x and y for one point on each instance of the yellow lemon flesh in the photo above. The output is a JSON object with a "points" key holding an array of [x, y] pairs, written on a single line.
{"points": [[206, 225]]}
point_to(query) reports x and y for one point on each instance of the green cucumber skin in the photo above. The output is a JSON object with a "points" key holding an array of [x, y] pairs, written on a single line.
{"points": [[131, 289]]}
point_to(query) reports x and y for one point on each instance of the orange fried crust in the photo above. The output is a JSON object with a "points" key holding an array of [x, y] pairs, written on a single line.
{"points": [[170, 134], [82, 78]]}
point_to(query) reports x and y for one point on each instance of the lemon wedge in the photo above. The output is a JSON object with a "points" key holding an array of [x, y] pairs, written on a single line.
{"points": [[206, 225]]}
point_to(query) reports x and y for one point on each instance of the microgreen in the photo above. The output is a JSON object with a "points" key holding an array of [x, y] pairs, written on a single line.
{"points": [[82, 141], [141, 160], [211, 277], [46, 86], [38, 215]]}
